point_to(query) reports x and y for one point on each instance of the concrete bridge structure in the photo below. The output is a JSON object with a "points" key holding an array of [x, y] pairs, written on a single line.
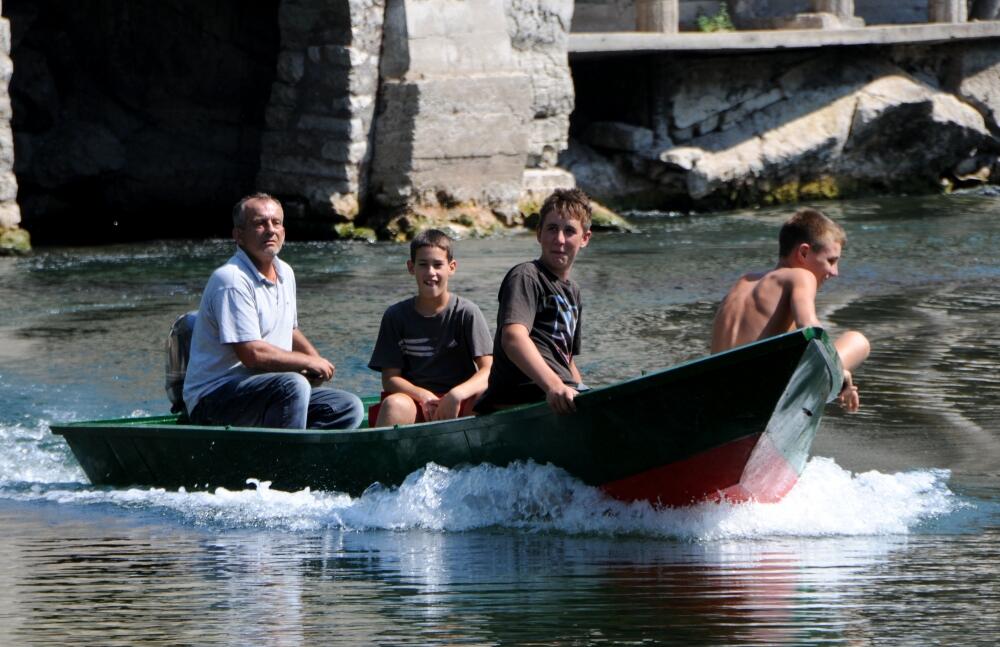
{"points": [[131, 119]]}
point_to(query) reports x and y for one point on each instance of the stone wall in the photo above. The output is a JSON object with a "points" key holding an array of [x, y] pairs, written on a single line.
{"points": [[539, 34], [316, 147], [451, 130], [12, 238], [791, 126]]}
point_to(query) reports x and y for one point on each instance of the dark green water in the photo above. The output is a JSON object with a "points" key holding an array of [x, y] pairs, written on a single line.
{"points": [[891, 536]]}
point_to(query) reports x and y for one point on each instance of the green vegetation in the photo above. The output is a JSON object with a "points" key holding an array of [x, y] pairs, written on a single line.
{"points": [[14, 241], [719, 22]]}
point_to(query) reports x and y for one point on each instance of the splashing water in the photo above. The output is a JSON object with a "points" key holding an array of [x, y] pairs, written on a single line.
{"points": [[827, 501]]}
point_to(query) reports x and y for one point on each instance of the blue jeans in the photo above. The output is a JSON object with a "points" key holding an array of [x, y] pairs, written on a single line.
{"points": [[278, 400]]}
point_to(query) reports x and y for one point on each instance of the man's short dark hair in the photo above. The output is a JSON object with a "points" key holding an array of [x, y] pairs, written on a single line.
{"points": [[571, 203], [811, 226], [431, 238], [239, 217]]}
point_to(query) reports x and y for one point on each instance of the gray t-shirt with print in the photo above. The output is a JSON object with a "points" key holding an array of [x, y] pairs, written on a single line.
{"points": [[435, 353], [550, 309]]}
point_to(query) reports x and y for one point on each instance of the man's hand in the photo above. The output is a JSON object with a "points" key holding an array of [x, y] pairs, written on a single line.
{"points": [[849, 399], [319, 369], [560, 399]]}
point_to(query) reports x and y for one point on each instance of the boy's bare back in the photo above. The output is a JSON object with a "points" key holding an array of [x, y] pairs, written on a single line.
{"points": [[764, 304]]}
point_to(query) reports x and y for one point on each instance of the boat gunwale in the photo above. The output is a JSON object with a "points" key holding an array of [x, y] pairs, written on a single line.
{"points": [[161, 425]]}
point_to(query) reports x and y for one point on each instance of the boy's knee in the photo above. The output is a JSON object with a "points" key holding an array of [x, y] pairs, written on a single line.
{"points": [[853, 348], [398, 408]]}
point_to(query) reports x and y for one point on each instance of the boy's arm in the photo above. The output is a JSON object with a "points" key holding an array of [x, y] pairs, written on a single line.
{"points": [[574, 371], [521, 350], [450, 405], [802, 299]]}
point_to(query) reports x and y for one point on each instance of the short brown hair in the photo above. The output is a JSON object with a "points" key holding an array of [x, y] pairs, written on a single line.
{"points": [[810, 226], [239, 217], [431, 238], [571, 203]]}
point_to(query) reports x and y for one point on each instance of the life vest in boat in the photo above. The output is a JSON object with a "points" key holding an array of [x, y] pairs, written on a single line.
{"points": [[178, 352]]}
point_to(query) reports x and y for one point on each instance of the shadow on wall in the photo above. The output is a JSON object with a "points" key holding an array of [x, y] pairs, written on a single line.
{"points": [[137, 118]]}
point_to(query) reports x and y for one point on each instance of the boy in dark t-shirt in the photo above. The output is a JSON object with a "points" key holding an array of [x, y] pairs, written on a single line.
{"points": [[538, 325], [434, 349]]}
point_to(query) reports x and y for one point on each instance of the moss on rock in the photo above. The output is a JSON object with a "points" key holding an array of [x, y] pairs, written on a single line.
{"points": [[350, 231], [14, 240]]}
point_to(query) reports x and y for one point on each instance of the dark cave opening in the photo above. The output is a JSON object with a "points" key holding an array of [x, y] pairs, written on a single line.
{"points": [[137, 119]]}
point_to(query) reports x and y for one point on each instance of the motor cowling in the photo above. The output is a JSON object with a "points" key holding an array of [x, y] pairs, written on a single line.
{"points": [[178, 351]]}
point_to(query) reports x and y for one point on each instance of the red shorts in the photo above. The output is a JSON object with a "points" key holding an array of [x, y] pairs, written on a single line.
{"points": [[464, 410]]}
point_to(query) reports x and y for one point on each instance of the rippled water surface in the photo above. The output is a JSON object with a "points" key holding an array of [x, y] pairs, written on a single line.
{"points": [[892, 536]]}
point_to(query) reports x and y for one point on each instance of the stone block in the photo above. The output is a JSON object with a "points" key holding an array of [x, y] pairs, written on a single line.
{"points": [[302, 184], [619, 136], [661, 16], [976, 79], [445, 37], [840, 8], [291, 67], [947, 11], [287, 165], [10, 214], [8, 187], [817, 21]]}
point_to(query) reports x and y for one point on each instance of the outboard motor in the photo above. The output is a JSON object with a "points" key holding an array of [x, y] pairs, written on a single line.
{"points": [[178, 352]]}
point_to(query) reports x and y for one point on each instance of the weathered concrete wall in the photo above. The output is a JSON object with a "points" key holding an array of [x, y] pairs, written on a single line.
{"points": [[790, 126], [316, 147], [451, 131], [13, 239], [539, 34]]}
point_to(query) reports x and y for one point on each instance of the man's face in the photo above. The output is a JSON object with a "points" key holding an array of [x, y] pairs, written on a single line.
{"points": [[822, 260], [432, 270], [263, 230], [561, 238]]}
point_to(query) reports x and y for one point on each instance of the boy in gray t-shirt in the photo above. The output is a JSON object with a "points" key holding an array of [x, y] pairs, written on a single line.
{"points": [[434, 349], [538, 323]]}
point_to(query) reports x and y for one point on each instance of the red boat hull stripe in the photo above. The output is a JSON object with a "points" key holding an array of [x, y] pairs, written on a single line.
{"points": [[750, 468]]}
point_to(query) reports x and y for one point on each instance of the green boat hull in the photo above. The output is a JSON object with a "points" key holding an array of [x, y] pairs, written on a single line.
{"points": [[737, 425]]}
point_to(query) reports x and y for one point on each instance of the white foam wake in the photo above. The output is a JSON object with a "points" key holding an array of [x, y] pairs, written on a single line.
{"points": [[827, 501]]}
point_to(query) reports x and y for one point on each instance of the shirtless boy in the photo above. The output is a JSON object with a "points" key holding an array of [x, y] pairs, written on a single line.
{"points": [[538, 323], [434, 349], [765, 304]]}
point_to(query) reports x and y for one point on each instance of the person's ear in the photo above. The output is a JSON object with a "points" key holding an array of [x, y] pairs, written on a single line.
{"points": [[409, 266]]}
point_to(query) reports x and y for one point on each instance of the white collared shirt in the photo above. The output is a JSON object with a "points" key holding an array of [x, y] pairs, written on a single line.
{"points": [[239, 304]]}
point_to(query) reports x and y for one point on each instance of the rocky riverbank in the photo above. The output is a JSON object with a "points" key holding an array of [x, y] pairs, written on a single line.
{"points": [[792, 127]]}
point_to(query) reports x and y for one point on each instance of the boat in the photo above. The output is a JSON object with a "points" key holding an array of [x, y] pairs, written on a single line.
{"points": [[734, 426]]}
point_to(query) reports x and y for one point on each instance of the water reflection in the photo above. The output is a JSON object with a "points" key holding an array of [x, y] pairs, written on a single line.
{"points": [[522, 555], [109, 580]]}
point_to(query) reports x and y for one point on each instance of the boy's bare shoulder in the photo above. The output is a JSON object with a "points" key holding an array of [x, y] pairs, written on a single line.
{"points": [[790, 276]]}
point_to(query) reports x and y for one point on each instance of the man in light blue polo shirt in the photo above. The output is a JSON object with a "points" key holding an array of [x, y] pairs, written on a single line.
{"points": [[250, 365]]}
